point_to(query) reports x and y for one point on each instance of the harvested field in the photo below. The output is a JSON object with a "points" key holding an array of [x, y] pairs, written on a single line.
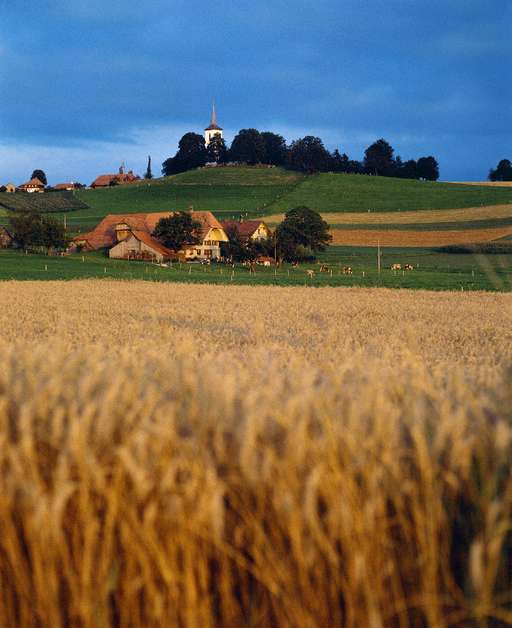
{"points": [[427, 216], [400, 238], [181, 455]]}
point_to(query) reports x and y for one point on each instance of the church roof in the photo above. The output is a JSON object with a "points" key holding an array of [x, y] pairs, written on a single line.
{"points": [[213, 121]]}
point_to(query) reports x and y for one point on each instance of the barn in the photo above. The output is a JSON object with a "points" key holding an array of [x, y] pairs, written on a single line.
{"points": [[139, 245]]}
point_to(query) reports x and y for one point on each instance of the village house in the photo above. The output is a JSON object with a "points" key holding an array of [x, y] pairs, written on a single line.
{"points": [[129, 236], [10, 188], [255, 230], [67, 186], [34, 185], [107, 180]]}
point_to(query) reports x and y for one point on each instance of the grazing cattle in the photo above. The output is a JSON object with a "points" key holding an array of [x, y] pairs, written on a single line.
{"points": [[324, 268], [408, 267], [310, 273], [396, 266], [295, 264], [347, 270]]}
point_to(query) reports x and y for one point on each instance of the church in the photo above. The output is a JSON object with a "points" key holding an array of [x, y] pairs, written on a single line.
{"points": [[213, 130]]}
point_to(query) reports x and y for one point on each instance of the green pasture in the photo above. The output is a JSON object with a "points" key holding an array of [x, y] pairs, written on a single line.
{"points": [[252, 191], [433, 271], [361, 193]]}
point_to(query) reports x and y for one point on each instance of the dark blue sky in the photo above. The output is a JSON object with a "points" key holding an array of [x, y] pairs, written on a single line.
{"points": [[85, 85]]}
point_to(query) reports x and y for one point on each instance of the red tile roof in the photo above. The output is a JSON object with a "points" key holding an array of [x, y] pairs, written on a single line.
{"points": [[245, 229], [33, 183], [105, 180], [153, 243]]}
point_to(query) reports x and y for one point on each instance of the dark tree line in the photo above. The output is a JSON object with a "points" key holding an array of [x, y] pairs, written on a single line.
{"points": [[307, 154], [502, 172]]}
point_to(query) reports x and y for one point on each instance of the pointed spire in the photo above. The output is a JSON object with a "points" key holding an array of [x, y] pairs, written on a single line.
{"points": [[213, 121]]}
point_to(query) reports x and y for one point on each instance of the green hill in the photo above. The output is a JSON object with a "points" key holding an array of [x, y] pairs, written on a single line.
{"points": [[257, 191], [359, 193], [225, 191]]}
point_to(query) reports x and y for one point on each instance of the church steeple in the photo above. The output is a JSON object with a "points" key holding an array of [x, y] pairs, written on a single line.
{"points": [[213, 119], [214, 128]]}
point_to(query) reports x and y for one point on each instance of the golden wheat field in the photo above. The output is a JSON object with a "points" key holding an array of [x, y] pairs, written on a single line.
{"points": [[224, 456]]}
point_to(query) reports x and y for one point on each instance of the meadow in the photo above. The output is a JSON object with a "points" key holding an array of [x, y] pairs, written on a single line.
{"points": [[180, 455], [433, 270], [231, 192]]}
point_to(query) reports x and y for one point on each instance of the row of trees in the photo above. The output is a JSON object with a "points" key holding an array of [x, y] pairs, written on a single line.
{"points": [[307, 154], [299, 236], [33, 230], [502, 172]]}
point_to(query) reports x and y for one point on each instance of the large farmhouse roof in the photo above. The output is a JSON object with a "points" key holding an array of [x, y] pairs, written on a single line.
{"points": [[104, 234]]}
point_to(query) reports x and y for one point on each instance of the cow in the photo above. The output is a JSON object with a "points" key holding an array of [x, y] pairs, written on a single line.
{"points": [[310, 273], [396, 266], [324, 268], [347, 270], [408, 267]]}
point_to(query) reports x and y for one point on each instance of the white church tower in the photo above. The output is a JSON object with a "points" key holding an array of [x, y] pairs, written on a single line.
{"points": [[214, 129]]}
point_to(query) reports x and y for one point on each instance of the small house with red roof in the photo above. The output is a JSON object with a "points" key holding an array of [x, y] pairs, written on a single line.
{"points": [[34, 185], [255, 230], [108, 180]]}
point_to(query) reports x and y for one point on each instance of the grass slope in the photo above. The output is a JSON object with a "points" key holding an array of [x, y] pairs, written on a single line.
{"points": [[225, 191], [358, 193], [262, 191]]}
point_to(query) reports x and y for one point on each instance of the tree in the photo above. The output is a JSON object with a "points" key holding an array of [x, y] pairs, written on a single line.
{"points": [[177, 230], [33, 229], [191, 154], [216, 151], [407, 170], [39, 174], [275, 148], [248, 146], [309, 155], [301, 227], [427, 169], [378, 158], [339, 163], [149, 174], [235, 249], [503, 171]]}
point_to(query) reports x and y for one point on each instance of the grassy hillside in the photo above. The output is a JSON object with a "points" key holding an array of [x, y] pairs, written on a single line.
{"points": [[343, 199], [358, 193], [225, 191]]}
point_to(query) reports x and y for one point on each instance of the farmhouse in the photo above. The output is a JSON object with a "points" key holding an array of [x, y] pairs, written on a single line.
{"points": [[5, 238], [34, 185], [107, 180], [137, 230], [67, 186], [10, 188], [141, 246], [248, 229]]}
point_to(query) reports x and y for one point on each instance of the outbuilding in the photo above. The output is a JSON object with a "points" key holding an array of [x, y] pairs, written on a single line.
{"points": [[139, 245]]}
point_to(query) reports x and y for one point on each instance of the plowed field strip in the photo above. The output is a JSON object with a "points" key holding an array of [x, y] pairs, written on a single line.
{"points": [[364, 237]]}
